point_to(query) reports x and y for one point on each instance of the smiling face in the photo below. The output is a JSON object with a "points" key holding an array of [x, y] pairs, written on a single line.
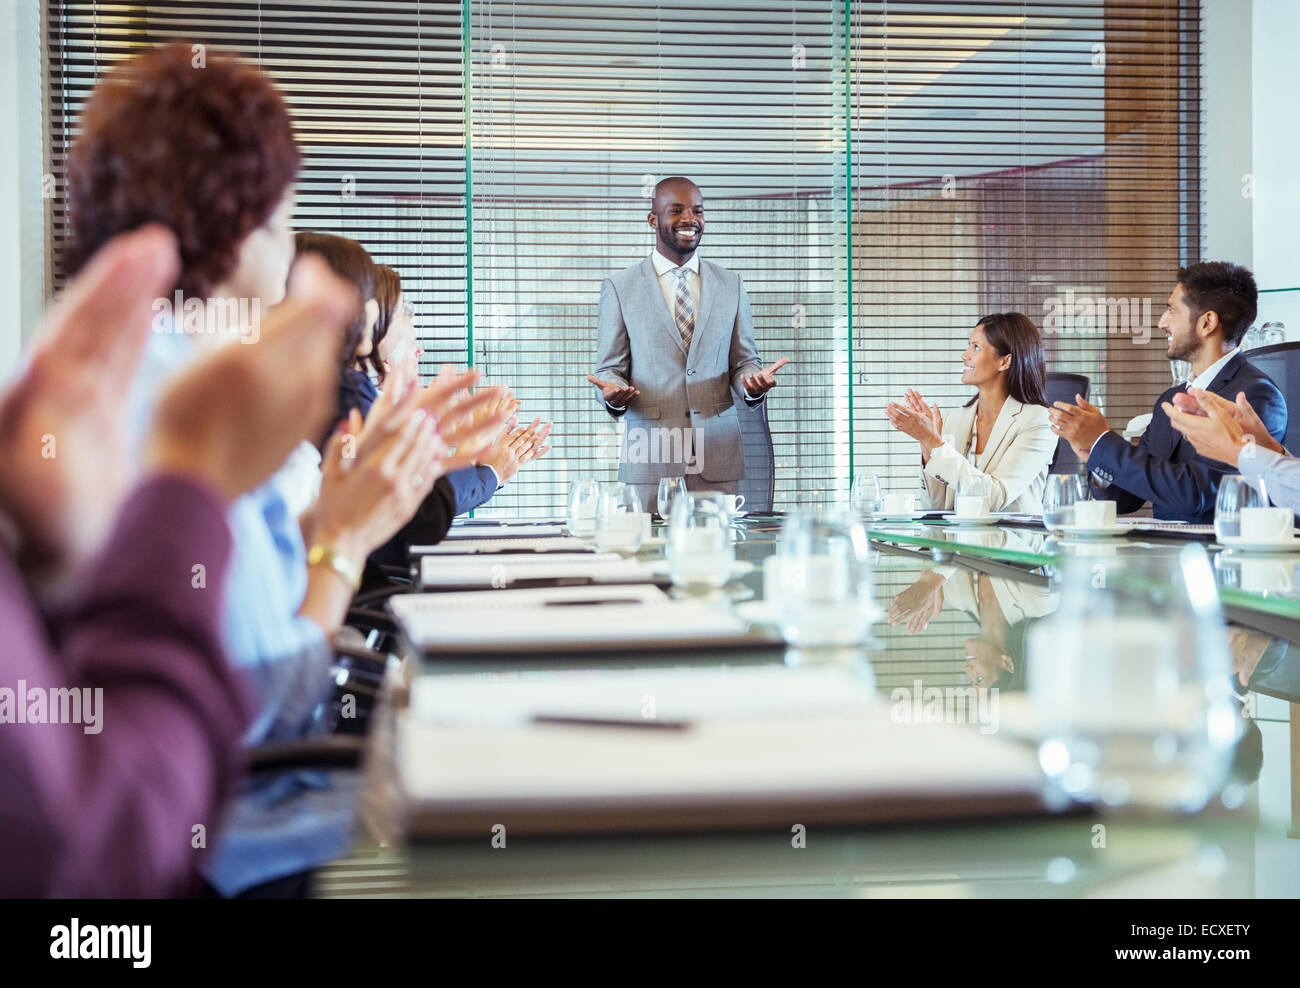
{"points": [[677, 217], [1179, 326], [399, 348], [981, 364]]}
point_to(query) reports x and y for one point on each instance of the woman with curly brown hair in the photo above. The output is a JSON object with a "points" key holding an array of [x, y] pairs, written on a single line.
{"points": [[209, 154]]}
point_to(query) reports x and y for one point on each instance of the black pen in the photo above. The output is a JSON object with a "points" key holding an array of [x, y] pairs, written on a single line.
{"points": [[662, 725], [579, 603]]}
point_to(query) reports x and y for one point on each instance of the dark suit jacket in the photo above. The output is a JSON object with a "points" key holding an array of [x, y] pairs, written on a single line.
{"points": [[1164, 468]]}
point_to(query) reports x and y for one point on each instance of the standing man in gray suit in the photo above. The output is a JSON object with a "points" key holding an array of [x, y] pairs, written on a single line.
{"points": [[676, 342]]}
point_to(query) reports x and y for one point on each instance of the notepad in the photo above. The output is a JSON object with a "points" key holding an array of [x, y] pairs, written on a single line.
{"points": [[500, 570], [505, 532], [587, 618], [765, 747], [477, 544]]}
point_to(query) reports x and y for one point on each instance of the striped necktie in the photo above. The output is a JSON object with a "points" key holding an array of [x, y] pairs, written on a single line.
{"points": [[683, 307]]}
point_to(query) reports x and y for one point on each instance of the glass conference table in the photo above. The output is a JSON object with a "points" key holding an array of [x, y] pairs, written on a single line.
{"points": [[1246, 844]]}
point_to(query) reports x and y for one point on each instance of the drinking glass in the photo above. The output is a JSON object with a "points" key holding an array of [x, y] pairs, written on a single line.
{"points": [[1063, 490], [700, 546], [864, 495], [1234, 494], [823, 579], [1130, 680], [669, 488], [618, 518], [583, 495]]}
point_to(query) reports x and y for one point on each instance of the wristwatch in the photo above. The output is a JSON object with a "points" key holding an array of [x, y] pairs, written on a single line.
{"points": [[344, 566]]}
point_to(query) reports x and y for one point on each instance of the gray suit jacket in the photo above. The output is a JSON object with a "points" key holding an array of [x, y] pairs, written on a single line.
{"points": [[686, 400]]}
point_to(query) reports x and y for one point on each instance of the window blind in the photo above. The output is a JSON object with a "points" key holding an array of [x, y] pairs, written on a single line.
{"points": [[1039, 157], [578, 108], [879, 174], [375, 92]]}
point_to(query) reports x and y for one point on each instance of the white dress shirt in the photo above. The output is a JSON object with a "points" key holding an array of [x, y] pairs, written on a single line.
{"points": [[1204, 379], [664, 269]]}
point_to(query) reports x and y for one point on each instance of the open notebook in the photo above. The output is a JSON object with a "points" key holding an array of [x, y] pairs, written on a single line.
{"points": [[479, 544], [498, 571], [762, 746], [567, 618]]}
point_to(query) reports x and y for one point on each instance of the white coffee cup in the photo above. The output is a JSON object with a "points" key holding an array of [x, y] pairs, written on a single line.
{"points": [[971, 506], [1267, 524], [898, 503], [1094, 514], [734, 502]]}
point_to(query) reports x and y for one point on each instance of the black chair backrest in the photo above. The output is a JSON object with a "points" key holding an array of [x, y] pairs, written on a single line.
{"points": [[1063, 387], [1281, 362], [760, 464]]}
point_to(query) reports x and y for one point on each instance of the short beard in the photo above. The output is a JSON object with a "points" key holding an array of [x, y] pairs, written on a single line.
{"points": [[1184, 352]]}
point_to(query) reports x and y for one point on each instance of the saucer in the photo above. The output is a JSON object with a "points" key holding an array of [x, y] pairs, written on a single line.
{"points": [[1240, 544], [894, 519], [740, 568], [1094, 532], [973, 520]]}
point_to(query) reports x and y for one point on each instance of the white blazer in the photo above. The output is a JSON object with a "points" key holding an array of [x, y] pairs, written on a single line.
{"points": [[1012, 470]]}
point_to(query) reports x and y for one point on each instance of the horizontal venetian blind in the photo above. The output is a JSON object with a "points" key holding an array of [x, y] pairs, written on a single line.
{"points": [[577, 109], [375, 90], [1039, 157]]}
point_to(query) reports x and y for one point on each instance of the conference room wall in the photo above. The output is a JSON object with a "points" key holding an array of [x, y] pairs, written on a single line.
{"points": [[564, 129]]}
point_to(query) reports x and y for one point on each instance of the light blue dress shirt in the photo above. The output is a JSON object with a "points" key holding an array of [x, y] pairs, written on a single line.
{"points": [[286, 656], [1280, 474]]}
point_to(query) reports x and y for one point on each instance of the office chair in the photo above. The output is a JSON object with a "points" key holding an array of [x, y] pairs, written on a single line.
{"points": [[1063, 387], [1281, 362], [760, 464]]}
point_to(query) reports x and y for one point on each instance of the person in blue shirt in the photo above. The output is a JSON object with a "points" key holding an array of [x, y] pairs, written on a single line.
{"points": [[1231, 432]]}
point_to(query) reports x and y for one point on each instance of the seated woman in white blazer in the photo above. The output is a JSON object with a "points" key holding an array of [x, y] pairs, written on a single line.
{"points": [[1000, 443]]}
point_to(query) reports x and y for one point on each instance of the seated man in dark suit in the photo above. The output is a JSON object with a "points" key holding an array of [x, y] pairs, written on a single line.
{"points": [[1206, 316]]}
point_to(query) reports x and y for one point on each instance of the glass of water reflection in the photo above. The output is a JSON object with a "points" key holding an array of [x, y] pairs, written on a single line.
{"points": [[1062, 492], [1131, 680], [581, 517], [823, 578], [701, 546], [1234, 494], [864, 496], [669, 488]]}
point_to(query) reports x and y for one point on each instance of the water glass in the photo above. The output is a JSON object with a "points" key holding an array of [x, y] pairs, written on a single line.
{"points": [[618, 518], [581, 517], [823, 579], [1234, 494], [864, 495], [1062, 492], [701, 550], [1130, 680], [669, 488]]}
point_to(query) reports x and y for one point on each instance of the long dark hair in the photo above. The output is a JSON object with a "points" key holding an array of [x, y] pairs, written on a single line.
{"points": [[1015, 333], [350, 261], [388, 289]]}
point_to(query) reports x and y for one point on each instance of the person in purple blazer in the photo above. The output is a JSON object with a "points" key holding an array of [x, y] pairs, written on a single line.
{"points": [[120, 719]]}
